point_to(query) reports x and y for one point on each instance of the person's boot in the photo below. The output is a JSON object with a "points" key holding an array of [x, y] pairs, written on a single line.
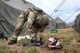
{"points": [[12, 41], [41, 41], [34, 41]]}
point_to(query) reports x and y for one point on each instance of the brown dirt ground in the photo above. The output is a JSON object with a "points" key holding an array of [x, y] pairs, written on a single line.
{"points": [[42, 49]]}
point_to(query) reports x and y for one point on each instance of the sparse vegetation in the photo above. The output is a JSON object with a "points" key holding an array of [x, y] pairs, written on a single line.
{"points": [[4, 49], [68, 38], [32, 50], [69, 50]]}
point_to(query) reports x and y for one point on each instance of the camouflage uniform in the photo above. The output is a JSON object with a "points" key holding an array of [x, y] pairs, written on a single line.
{"points": [[34, 24]]}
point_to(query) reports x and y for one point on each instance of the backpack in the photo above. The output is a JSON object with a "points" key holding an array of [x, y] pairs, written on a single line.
{"points": [[41, 20]]}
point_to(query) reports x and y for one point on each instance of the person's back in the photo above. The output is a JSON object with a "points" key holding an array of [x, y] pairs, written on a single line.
{"points": [[30, 16], [42, 20]]}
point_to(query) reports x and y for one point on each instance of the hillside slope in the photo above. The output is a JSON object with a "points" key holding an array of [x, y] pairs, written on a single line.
{"points": [[18, 4], [77, 23], [68, 37]]}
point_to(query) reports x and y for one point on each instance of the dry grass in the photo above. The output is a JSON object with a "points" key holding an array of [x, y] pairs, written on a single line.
{"points": [[68, 38]]}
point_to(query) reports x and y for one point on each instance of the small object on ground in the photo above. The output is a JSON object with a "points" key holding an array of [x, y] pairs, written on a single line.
{"points": [[23, 37], [37, 43], [54, 43]]}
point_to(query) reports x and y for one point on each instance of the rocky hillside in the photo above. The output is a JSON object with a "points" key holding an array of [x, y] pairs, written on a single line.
{"points": [[18, 4], [77, 23], [70, 24], [60, 24]]}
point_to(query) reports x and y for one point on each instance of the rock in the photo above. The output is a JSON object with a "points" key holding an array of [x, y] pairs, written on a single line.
{"points": [[77, 23]]}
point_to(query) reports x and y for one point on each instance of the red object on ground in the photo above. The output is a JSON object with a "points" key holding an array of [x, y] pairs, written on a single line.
{"points": [[53, 42]]}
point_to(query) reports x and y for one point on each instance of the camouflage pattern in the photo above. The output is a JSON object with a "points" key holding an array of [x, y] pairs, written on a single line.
{"points": [[36, 22]]}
